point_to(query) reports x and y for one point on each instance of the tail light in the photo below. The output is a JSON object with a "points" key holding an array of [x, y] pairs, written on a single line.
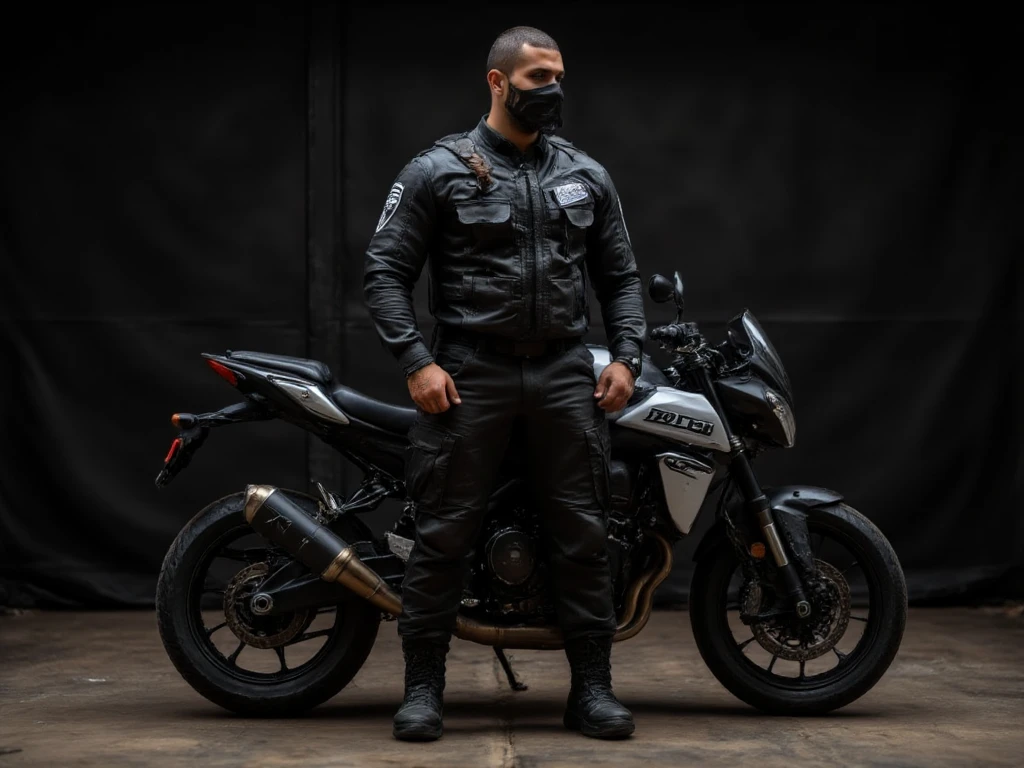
{"points": [[175, 447], [224, 372]]}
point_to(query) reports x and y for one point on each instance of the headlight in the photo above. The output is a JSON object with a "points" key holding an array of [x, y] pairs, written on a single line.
{"points": [[784, 413]]}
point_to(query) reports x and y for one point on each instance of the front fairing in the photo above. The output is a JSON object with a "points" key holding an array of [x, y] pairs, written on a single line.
{"points": [[750, 342]]}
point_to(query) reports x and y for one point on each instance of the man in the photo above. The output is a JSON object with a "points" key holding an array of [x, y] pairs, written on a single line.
{"points": [[515, 222]]}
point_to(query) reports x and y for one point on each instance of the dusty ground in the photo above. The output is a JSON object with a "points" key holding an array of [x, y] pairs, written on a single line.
{"points": [[96, 689]]}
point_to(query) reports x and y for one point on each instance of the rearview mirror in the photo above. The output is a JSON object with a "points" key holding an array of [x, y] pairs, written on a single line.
{"points": [[661, 289]]}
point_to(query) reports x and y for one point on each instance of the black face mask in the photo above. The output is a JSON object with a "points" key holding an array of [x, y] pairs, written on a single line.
{"points": [[536, 109]]}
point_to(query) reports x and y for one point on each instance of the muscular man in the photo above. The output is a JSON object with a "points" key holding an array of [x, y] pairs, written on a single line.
{"points": [[513, 224]]}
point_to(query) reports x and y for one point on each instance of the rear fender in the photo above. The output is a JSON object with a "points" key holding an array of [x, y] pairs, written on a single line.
{"points": [[194, 429]]}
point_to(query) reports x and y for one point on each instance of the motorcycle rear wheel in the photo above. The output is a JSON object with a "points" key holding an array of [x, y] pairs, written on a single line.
{"points": [[856, 671], [215, 674]]}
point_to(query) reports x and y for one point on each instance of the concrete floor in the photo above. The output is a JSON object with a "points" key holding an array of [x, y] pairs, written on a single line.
{"points": [[96, 689]]}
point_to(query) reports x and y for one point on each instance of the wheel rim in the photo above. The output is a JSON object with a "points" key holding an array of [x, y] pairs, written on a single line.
{"points": [[744, 645], [221, 644]]}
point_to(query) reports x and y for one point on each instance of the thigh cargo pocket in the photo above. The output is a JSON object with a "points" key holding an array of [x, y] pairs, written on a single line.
{"points": [[599, 451], [427, 460]]}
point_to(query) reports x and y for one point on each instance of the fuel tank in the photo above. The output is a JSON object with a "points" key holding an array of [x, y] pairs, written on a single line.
{"points": [[660, 409]]}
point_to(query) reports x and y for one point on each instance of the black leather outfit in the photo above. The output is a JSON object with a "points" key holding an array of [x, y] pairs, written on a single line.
{"points": [[510, 258]]}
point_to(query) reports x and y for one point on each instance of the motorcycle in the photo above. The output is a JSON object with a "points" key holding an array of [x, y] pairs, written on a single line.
{"points": [[783, 579]]}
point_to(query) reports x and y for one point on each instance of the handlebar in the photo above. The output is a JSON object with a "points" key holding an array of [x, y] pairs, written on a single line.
{"points": [[675, 334], [690, 349]]}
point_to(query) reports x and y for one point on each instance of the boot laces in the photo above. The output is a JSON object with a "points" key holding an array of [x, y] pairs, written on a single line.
{"points": [[424, 676], [591, 671]]}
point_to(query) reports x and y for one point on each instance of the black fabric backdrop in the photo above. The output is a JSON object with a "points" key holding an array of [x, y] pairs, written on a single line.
{"points": [[174, 183]]}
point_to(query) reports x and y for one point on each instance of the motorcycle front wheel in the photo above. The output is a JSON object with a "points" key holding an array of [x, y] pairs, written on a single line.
{"points": [[269, 666], [784, 668]]}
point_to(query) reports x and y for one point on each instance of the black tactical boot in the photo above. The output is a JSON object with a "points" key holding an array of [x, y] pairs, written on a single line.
{"points": [[592, 707], [419, 717]]}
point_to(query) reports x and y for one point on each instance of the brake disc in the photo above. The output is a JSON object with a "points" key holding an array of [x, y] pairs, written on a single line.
{"points": [[815, 637], [259, 631]]}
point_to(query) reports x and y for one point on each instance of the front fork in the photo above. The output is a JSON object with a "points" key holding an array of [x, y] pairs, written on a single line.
{"points": [[758, 504]]}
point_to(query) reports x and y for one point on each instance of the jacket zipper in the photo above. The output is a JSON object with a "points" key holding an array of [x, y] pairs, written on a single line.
{"points": [[534, 255]]}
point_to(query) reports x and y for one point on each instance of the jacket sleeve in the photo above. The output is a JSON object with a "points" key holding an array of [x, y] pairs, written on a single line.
{"points": [[614, 274], [394, 260]]}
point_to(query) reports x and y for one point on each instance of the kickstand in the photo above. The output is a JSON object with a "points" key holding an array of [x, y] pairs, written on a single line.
{"points": [[506, 665]]}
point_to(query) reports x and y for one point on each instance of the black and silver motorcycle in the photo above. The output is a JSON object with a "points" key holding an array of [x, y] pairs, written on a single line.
{"points": [[269, 600]]}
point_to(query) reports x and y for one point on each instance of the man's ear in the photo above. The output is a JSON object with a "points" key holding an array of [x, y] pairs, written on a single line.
{"points": [[495, 81]]}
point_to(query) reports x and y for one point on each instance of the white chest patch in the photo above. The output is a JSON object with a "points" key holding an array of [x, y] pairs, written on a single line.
{"points": [[570, 193], [391, 204]]}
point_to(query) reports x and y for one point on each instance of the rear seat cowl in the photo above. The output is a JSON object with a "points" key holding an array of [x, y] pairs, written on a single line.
{"points": [[314, 370]]}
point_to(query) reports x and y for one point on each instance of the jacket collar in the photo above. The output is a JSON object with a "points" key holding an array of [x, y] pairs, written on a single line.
{"points": [[495, 142]]}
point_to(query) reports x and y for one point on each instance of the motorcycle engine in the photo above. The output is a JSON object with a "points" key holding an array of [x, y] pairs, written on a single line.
{"points": [[510, 576], [511, 557], [510, 570]]}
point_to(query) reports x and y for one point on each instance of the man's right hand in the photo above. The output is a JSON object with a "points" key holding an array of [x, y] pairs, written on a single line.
{"points": [[432, 389]]}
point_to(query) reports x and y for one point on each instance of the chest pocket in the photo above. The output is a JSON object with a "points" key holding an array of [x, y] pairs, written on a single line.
{"points": [[571, 208], [486, 221]]}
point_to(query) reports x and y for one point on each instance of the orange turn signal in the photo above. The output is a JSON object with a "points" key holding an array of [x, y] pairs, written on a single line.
{"points": [[757, 550]]}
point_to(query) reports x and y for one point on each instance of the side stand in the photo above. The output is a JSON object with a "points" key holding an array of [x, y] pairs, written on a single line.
{"points": [[506, 665]]}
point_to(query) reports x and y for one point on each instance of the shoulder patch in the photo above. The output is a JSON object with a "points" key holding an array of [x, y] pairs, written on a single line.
{"points": [[390, 205]]}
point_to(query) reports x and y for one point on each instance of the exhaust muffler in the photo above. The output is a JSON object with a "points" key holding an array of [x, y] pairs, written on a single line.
{"points": [[272, 514], [275, 516]]}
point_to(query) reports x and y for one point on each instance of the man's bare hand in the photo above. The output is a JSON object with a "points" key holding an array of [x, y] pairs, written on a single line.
{"points": [[432, 389], [614, 388]]}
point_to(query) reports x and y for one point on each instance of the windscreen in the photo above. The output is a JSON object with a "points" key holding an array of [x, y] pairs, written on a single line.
{"points": [[749, 339]]}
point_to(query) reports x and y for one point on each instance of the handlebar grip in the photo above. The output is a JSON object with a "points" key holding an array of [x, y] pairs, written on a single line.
{"points": [[666, 332]]}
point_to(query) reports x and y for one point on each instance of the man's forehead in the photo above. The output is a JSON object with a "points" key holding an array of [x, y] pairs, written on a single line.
{"points": [[533, 57]]}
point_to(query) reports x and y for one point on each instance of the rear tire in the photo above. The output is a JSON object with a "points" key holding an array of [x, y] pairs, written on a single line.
{"points": [[882, 635], [332, 668]]}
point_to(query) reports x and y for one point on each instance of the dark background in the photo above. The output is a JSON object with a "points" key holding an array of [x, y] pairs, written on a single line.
{"points": [[180, 179]]}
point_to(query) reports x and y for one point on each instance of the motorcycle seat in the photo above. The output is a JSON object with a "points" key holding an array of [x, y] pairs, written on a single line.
{"points": [[393, 418], [313, 370]]}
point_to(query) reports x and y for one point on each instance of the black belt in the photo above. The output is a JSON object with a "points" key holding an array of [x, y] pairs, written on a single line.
{"points": [[505, 346]]}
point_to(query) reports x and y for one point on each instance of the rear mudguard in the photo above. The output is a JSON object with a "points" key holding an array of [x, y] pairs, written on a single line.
{"points": [[790, 504]]}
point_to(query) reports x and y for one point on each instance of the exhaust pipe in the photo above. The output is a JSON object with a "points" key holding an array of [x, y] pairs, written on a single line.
{"points": [[272, 514]]}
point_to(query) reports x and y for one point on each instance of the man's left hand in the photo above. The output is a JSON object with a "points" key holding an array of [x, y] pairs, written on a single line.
{"points": [[614, 388]]}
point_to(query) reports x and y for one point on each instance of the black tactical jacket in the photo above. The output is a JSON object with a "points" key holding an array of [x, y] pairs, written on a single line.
{"points": [[510, 253]]}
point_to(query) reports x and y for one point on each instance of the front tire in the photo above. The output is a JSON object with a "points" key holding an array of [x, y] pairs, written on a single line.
{"points": [[216, 675], [856, 673]]}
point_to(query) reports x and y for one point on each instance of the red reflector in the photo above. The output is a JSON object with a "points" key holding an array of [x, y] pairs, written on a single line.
{"points": [[175, 445], [225, 373]]}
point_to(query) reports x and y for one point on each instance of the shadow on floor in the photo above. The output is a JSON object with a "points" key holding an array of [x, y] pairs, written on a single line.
{"points": [[531, 709]]}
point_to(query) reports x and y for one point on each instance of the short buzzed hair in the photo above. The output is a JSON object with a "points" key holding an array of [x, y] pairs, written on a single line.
{"points": [[507, 50]]}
